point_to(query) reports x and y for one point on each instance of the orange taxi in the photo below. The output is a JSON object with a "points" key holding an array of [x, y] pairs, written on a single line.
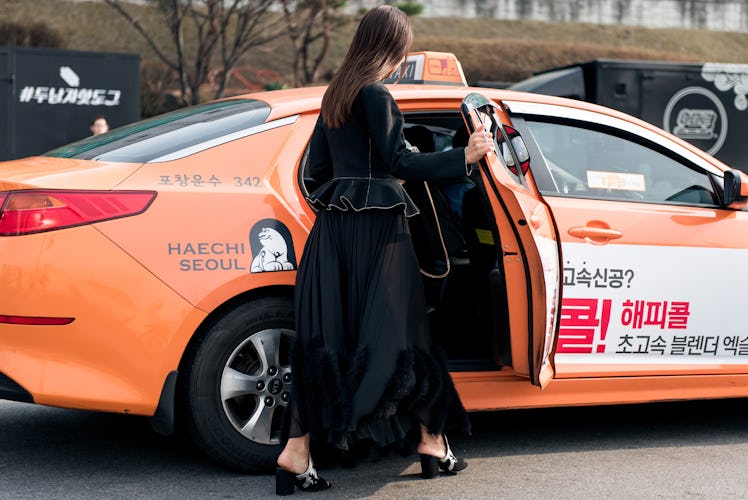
{"points": [[591, 259]]}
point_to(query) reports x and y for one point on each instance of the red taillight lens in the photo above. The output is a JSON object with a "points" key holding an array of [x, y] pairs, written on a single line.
{"points": [[34, 320], [36, 211]]}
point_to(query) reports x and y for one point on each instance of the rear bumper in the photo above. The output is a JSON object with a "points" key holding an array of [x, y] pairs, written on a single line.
{"points": [[129, 331], [11, 390]]}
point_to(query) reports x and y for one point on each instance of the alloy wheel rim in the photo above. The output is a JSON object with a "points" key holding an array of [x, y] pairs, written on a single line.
{"points": [[255, 385]]}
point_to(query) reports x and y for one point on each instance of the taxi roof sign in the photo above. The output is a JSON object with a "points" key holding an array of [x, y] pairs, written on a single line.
{"points": [[434, 68]]}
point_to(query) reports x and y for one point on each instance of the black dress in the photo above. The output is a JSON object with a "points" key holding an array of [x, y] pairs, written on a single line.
{"points": [[364, 368]]}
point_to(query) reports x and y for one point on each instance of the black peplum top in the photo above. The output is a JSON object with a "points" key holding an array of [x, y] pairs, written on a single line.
{"points": [[360, 164]]}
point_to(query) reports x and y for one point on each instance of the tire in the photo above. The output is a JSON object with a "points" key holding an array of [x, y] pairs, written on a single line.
{"points": [[237, 383]]}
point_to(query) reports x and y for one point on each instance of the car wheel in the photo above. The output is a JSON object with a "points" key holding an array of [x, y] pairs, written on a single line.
{"points": [[237, 384]]}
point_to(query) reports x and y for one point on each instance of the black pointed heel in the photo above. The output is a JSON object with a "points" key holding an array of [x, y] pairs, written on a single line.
{"points": [[286, 481]]}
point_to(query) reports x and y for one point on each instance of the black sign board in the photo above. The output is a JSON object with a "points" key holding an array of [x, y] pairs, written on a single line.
{"points": [[48, 97]]}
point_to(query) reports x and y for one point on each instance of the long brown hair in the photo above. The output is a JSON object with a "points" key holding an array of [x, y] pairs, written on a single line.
{"points": [[381, 42]]}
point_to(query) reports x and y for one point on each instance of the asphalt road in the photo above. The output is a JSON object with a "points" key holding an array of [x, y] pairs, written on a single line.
{"points": [[687, 450]]}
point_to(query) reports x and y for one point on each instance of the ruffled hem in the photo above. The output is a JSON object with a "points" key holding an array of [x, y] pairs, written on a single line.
{"points": [[420, 380], [361, 193]]}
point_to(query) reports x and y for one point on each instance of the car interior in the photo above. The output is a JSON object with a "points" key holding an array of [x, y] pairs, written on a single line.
{"points": [[458, 248]]}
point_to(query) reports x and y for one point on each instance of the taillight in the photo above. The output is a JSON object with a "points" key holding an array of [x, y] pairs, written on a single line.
{"points": [[36, 211], [35, 320]]}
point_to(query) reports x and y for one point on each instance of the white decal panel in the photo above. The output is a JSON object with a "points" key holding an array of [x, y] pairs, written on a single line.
{"points": [[652, 306]]}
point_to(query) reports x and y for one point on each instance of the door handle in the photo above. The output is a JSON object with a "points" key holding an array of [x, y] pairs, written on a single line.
{"points": [[595, 234]]}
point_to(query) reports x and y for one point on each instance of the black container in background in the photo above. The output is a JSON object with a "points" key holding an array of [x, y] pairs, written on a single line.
{"points": [[704, 104], [49, 97]]}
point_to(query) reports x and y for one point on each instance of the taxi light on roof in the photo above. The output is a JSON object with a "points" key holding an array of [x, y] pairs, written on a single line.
{"points": [[434, 68], [27, 212]]}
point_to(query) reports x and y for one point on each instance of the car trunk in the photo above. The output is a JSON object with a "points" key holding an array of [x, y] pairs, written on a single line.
{"points": [[60, 173]]}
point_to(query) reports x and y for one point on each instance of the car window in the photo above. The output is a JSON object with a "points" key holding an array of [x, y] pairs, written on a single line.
{"points": [[595, 164], [170, 133]]}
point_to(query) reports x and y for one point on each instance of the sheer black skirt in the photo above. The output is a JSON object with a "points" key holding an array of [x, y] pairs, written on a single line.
{"points": [[364, 368]]}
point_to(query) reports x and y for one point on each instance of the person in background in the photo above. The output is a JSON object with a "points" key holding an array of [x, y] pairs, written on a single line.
{"points": [[365, 372], [99, 125]]}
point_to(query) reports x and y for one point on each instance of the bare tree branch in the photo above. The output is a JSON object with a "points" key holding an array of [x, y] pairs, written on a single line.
{"points": [[310, 25], [230, 27], [116, 5], [254, 24]]}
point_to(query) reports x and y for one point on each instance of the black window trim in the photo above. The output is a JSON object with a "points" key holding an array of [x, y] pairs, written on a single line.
{"points": [[217, 141]]}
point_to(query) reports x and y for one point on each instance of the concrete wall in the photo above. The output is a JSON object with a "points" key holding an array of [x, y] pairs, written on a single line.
{"points": [[718, 15]]}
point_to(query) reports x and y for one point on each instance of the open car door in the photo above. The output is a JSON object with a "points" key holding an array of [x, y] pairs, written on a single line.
{"points": [[530, 252]]}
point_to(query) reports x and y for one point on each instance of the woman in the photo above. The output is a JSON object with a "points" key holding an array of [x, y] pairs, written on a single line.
{"points": [[364, 369]]}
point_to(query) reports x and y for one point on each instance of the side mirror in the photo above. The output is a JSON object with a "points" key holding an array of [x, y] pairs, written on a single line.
{"points": [[735, 189]]}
